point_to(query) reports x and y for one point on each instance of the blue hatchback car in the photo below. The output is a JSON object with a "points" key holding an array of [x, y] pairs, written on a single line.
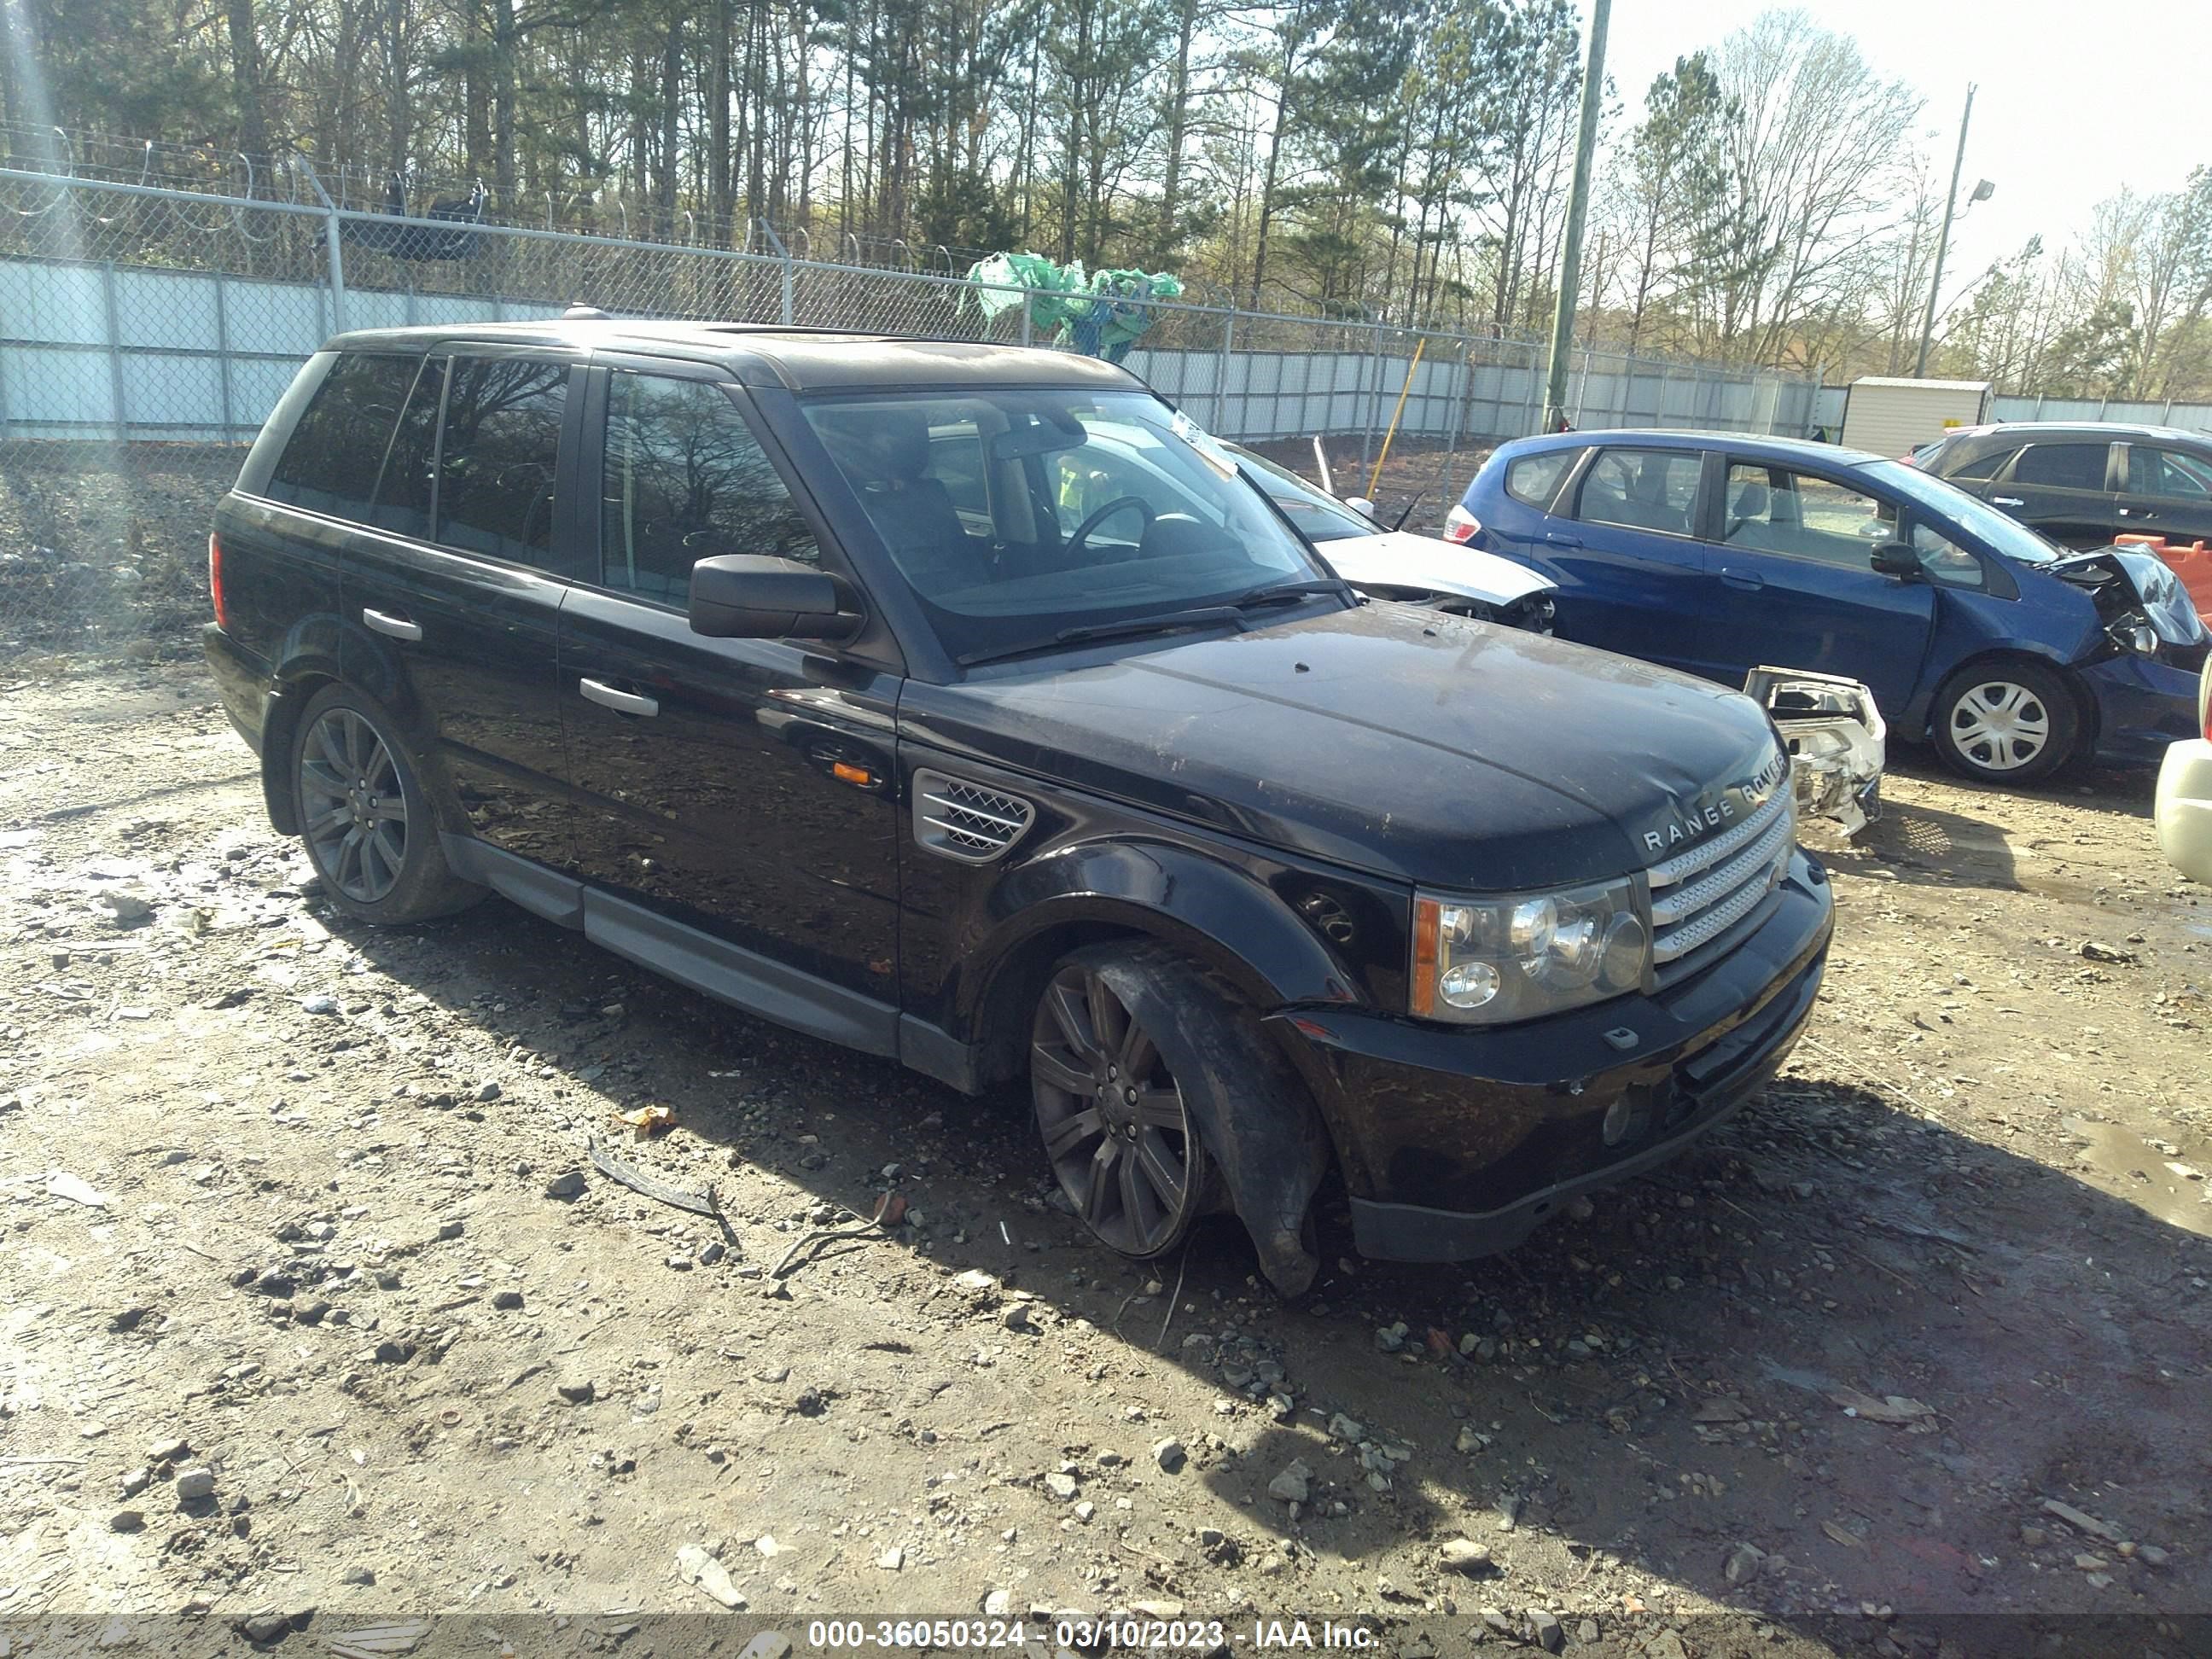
{"points": [[1715, 553]]}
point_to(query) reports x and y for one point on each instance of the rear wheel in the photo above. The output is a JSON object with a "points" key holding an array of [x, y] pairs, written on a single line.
{"points": [[366, 817], [2006, 722]]}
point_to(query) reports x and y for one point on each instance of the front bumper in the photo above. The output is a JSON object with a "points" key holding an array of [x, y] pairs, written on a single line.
{"points": [[1455, 1143], [2182, 810], [2142, 706]]}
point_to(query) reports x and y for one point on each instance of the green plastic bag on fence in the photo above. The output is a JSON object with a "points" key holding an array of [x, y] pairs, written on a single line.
{"points": [[1002, 279], [1098, 313]]}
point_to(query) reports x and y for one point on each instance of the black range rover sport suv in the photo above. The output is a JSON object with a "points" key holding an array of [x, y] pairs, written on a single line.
{"points": [[963, 703]]}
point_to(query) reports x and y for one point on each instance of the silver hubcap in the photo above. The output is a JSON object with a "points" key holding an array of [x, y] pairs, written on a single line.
{"points": [[2000, 726], [356, 811]]}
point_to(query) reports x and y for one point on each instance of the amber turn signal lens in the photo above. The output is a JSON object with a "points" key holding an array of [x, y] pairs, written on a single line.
{"points": [[1424, 988]]}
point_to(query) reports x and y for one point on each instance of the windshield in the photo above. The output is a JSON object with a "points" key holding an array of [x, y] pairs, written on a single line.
{"points": [[1024, 514], [1318, 514], [2006, 536]]}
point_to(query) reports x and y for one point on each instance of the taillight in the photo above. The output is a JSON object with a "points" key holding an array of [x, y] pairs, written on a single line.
{"points": [[214, 582], [1461, 526]]}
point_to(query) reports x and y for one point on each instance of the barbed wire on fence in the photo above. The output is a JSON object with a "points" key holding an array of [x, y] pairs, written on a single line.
{"points": [[146, 331]]}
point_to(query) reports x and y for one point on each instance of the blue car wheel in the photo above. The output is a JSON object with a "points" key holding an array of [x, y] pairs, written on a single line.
{"points": [[2006, 722]]}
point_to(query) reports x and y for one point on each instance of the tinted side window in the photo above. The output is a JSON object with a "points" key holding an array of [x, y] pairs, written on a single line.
{"points": [[1535, 478], [402, 500], [330, 462], [2062, 466], [685, 479], [2168, 472], [497, 465], [1643, 488], [1982, 466]]}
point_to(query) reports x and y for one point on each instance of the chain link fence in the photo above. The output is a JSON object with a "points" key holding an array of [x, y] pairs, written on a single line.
{"points": [[146, 331]]}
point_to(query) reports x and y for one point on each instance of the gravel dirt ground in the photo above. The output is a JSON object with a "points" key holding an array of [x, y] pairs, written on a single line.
{"points": [[310, 1297]]}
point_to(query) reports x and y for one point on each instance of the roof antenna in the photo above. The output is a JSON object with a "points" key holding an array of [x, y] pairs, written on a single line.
{"points": [[579, 311]]}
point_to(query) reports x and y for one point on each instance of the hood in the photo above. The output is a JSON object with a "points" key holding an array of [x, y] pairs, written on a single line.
{"points": [[1406, 744], [2164, 603], [1397, 558]]}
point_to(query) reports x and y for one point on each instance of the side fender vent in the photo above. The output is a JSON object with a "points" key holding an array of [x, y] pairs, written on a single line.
{"points": [[966, 821]]}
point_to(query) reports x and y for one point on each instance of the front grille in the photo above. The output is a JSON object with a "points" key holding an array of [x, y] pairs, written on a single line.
{"points": [[1704, 897], [966, 821]]}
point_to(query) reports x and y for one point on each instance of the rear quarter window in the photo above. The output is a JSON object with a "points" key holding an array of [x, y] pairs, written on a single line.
{"points": [[1535, 478], [1985, 466], [330, 462]]}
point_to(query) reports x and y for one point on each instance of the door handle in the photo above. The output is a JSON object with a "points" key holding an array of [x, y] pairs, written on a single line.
{"points": [[623, 702], [2137, 513], [2007, 501], [1749, 582], [399, 627], [1557, 540]]}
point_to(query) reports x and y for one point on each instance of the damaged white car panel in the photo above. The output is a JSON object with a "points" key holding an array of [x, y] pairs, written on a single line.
{"points": [[1838, 742], [1397, 564]]}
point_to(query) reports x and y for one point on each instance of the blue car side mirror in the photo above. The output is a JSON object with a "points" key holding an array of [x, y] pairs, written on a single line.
{"points": [[1895, 559]]}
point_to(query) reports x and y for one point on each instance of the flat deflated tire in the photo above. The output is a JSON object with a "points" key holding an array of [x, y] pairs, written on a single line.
{"points": [[366, 814]]}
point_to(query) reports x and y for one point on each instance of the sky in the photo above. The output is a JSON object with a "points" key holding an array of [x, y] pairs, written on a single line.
{"points": [[2076, 98]]}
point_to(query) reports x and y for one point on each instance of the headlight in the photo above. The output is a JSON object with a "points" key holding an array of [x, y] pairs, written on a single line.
{"points": [[2133, 632], [1488, 961]]}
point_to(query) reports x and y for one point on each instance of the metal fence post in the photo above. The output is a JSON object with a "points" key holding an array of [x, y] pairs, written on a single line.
{"points": [[334, 238], [1374, 402], [223, 352], [1221, 422], [337, 276], [785, 313], [114, 347]]}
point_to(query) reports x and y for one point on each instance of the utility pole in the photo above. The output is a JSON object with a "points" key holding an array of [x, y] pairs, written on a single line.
{"points": [[1570, 251], [1943, 241]]}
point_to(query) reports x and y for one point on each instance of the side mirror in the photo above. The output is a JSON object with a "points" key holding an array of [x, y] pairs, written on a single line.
{"points": [[749, 596], [1360, 505], [1895, 559]]}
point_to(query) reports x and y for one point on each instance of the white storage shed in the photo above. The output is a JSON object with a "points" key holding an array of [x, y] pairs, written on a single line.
{"points": [[1888, 416]]}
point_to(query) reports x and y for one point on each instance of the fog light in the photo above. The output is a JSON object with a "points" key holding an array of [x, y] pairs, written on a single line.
{"points": [[1627, 946], [1467, 984], [1618, 1117]]}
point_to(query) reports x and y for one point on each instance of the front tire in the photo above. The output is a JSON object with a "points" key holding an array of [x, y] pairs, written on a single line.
{"points": [[2006, 722], [366, 815], [1111, 1112], [1220, 1121]]}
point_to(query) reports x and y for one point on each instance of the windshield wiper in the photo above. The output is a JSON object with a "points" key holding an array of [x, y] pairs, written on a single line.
{"points": [[1165, 622], [1284, 593]]}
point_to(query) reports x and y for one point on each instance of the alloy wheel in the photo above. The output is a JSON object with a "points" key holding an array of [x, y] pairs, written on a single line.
{"points": [[352, 806], [1112, 1116], [2000, 725]]}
